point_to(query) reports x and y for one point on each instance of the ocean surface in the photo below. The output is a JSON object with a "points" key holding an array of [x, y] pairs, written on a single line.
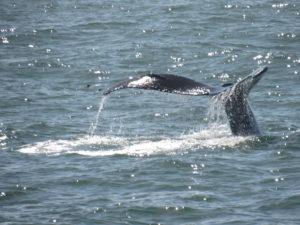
{"points": [[69, 155]]}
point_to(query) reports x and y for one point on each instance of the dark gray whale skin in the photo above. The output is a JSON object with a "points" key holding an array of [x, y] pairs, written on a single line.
{"points": [[233, 96], [235, 100]]}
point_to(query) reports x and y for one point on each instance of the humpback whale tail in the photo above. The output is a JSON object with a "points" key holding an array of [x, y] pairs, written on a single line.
{"points": [[233, 96], [235, 100]]}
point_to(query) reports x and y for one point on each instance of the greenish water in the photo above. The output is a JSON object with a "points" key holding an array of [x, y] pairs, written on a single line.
{"points": [[68, 155]]}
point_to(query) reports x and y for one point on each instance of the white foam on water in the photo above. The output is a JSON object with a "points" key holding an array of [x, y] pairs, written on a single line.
{"points": [[107, 146], [53, 147]]}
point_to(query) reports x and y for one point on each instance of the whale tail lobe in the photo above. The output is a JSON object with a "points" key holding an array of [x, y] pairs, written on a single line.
{"points": [[235, 100], [165, 83]]}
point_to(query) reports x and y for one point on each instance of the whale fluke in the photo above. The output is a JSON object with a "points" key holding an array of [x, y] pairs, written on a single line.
{"points": [[235, 100], [233, 96], [169, 83]]}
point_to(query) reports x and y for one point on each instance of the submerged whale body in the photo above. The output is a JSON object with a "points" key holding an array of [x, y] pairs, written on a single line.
{"points": [[233, 96]]}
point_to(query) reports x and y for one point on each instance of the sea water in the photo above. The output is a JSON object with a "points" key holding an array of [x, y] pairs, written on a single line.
{"points": [[70, 156]]}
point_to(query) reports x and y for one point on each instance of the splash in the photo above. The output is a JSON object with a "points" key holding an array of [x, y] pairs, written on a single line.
{"points": [[215, 137], [94, 125]]}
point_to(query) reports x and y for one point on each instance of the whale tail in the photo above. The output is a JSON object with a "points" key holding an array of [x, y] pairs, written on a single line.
{"points": [[234, 96], [235, 100]]}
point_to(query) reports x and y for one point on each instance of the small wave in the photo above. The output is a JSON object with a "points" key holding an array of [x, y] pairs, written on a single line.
{"points": [[104, 25], [141, 146], [3, 137]]}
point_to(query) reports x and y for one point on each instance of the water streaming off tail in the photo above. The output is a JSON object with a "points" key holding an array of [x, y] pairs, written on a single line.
{"points": [[94, 124], [216, 114]]}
